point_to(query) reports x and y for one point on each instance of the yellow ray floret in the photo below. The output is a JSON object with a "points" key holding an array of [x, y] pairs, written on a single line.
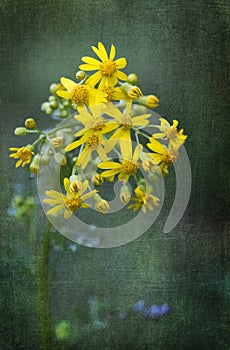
{"points": [[81, 94], [24, 154], [108, 69], [70, 202]]}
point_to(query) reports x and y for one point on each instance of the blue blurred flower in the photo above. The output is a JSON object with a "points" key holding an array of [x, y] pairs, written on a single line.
{"points": [[139, 306]]}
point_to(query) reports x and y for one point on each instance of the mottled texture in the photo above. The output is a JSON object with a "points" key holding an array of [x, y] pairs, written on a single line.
{"points": [[179, 51]]}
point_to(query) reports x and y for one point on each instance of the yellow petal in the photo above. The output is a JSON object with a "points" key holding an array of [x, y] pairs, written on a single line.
{"points": [[156, 146], [94, 79], [103, 53], [109, 173], [109, 165], [89, 194], [120, 62], [112, 52], [67, 214], [126, 148], [84, 187], [55, 209], [19, 162], [120, 75], [136, 154], [51, 201], [88, 67], [67, 185], [101, 153], [64, 94], [73, 145], [68, 83], [91, 61]]}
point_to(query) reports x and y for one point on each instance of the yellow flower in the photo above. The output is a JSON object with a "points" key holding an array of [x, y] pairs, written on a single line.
{"points": [[124, 124], [24, 153], [126, 168], [81, 94], [162, 154], [107, 70], [114, 93], [92, 143], [169, 132], [70, 203], [144, 200]]}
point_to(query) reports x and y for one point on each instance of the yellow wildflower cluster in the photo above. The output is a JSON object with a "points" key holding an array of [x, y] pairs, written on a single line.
{"points": [[110, 114]]}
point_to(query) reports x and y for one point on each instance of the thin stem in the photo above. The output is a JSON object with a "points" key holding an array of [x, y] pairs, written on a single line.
{"points": [[44, 302]]}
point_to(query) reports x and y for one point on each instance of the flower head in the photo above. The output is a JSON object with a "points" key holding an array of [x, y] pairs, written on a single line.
{"points": [[107, 69], [144, 200], [81, 94], [24, 154], [170, 132], [70, 202], [162, 155], [127, 167]]}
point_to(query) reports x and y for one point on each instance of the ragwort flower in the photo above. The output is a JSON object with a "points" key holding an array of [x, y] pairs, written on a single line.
{"points": [[144, 200], [127, 167], [81, 94], [170, 132], [24, 154], [70, 203], [108, 71]]}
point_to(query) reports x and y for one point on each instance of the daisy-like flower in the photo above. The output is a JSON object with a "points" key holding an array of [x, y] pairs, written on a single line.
{"points": [[108, 69], [93, 123], [144, 200], [127, 167], [24, 154], [124, 124], [92, 143], [81, 94], [162, 155], [170, 132], [70, 202]]}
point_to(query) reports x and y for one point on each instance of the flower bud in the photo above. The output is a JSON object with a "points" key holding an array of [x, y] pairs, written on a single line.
{"points": [[49, 110], [30, 124], [35, 164], [132, 91], [81, 75], [149, 101], [101, 205], [44, 106], [30, 147], [152, 178], [53, 88], [125, 195], [75, 186], [57, 142], [98, 180], [132, 78], [45, 159], [142, 185], [148, 165], [20, 131]]}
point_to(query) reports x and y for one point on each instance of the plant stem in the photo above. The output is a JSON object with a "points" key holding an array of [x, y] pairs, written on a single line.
{"points": [[44, 302]]}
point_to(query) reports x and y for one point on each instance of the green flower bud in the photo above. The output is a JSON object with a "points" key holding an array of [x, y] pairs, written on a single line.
{"points": [[44, 106], [60, 158], [35, 164], [101, 205], [30, 147], [45, 159], [64, 114], [53, 88], [20, 131], [132, 78], [149, 101], [49, 110], [51, 98], [132, 91], [62, 330], [125, 194]]}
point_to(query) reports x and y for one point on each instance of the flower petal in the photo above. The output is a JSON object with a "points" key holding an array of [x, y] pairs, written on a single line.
{"points": [[68, 83], [121, 75], [120, 62], [112, 52], [55, 209], [64, 94], [91, 61], [109, 165], [94, 79]]}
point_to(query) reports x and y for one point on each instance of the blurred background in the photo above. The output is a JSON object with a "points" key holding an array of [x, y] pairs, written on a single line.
{"points": [[75, 297]]}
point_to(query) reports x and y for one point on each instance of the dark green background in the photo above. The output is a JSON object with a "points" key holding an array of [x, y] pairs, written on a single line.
{"points": [[179, 51]]}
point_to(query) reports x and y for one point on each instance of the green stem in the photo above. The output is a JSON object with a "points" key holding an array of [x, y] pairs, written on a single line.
{"points": [[44, 302]]}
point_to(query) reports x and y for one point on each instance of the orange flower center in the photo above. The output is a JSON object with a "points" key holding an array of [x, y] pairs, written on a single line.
{"points": [[80, 94], [109, 91], [128, 167], [108, 68], [73, 203], [172, 132]]}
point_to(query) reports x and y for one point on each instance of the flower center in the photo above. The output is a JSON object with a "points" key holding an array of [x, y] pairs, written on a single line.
{"points": [[108, 68], [170, 157], [92, 141], [98, 124], [80, 94], [126, 123], [73, 203], [128, 167], [24, 153], [172, 133], [109, 91]]}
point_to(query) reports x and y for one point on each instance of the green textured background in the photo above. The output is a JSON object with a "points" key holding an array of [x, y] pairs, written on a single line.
{"points": [[179, 51]]}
